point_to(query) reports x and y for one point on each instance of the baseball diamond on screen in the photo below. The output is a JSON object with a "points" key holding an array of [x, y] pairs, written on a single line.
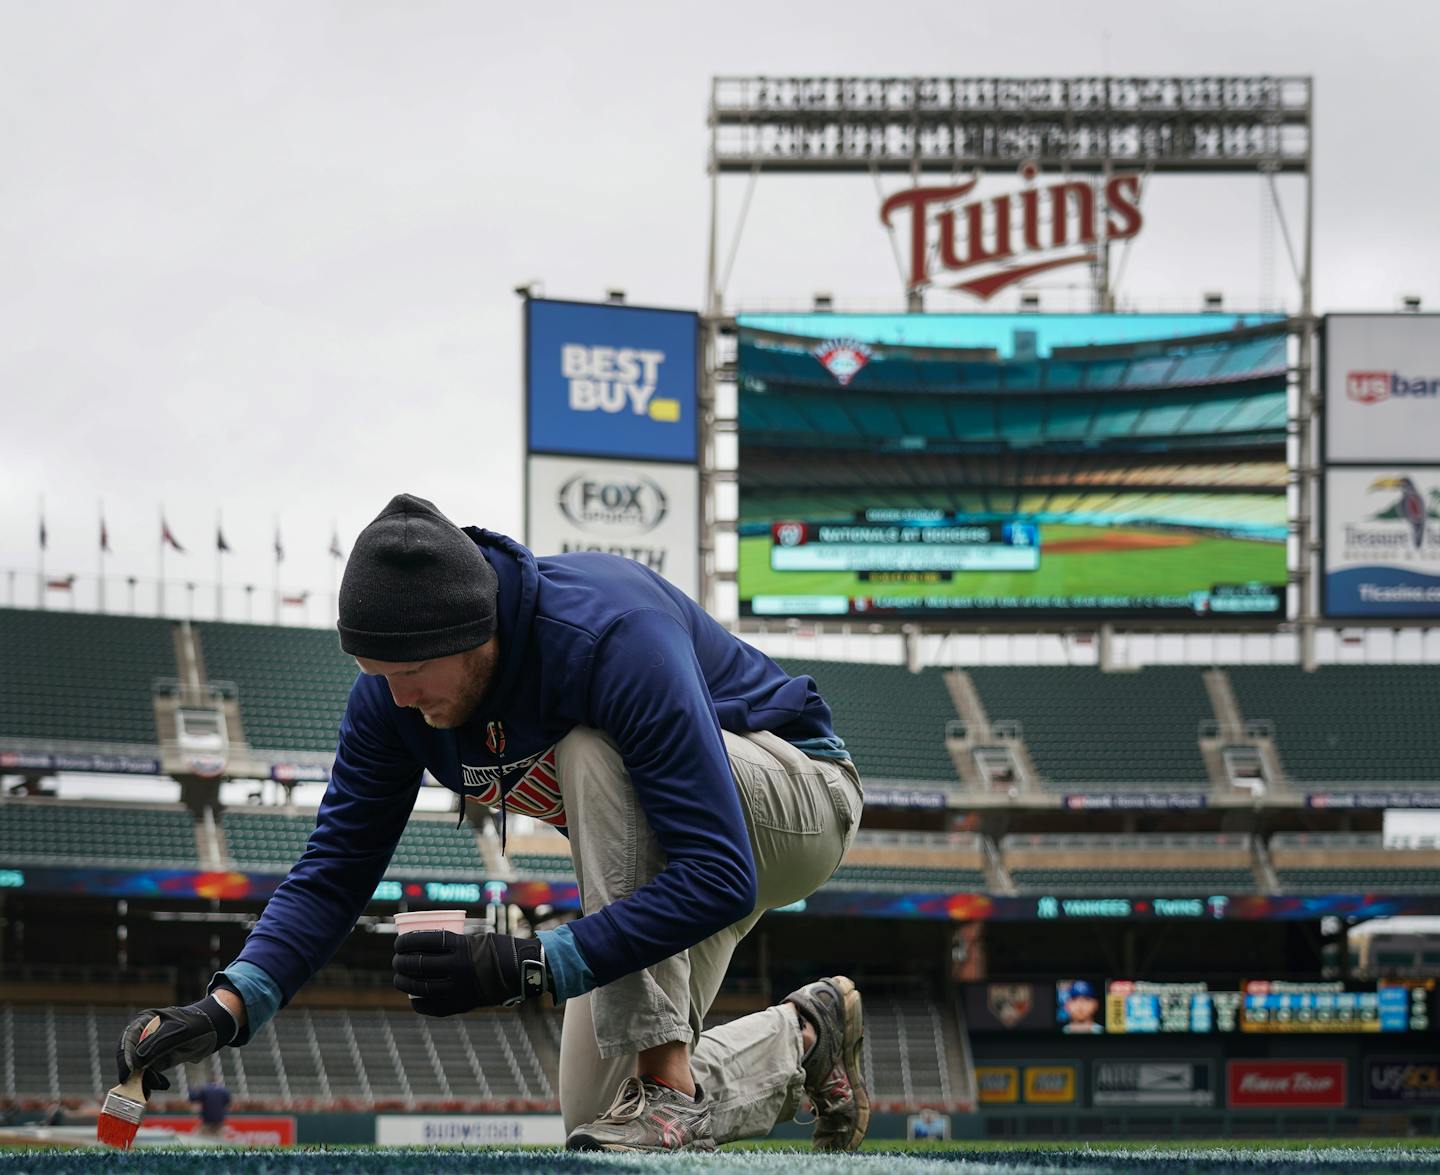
{"points": [[1007, 464]]}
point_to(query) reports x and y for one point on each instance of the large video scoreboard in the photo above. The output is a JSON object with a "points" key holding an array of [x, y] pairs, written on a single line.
{"points": [[1263, 1005], [1131, 1007]]}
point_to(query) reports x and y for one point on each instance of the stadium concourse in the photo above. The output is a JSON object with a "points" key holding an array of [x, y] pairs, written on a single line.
{"points": [[1040, 845]]}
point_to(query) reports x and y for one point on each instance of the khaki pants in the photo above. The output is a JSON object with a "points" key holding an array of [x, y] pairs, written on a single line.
{"points": [[802, 815]]}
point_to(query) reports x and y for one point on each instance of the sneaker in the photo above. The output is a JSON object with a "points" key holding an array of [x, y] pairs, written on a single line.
{"points": [[834, 1081], [648, 1116]]}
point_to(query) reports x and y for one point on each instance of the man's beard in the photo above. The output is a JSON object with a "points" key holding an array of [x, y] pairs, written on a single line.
{"points": [[475, 685]]}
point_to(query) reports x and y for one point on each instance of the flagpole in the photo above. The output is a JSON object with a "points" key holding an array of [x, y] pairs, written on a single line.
{"points": [[279, 554], [40, 577], [100, 564], [219, 568], [160, 569]]}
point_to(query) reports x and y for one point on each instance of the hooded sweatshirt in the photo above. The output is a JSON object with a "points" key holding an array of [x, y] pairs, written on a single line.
{"points": [[585, 639]]}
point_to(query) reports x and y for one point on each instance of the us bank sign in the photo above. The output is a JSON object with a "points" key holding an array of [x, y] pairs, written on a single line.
{"points": [[991, 242]]}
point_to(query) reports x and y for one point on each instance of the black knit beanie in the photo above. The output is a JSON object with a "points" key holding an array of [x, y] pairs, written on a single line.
{"points": [[416, 587]]}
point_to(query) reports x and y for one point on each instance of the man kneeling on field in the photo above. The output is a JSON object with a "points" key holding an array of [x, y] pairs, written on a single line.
{"points": [[699, 785]]}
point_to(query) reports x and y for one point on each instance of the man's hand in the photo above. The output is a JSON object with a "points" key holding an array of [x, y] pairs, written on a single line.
{"points": [[184, 1034], [449, 973]]}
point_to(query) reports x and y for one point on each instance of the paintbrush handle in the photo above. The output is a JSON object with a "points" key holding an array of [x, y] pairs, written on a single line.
{"points": [[133, 1086]]}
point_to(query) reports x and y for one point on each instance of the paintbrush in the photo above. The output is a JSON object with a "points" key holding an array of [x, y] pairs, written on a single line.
{"points": [[124, 1106]]}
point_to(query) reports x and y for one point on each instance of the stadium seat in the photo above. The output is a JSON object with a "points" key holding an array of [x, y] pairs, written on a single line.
{"points": [[34, 830]]}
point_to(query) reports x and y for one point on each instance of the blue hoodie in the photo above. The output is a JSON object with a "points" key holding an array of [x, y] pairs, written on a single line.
{"points": [[586, 639]]}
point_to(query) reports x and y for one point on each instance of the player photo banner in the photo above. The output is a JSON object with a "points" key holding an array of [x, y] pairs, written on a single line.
{"points": [[646, 511], [1382, 541], [611, 381], [1382, 387]]}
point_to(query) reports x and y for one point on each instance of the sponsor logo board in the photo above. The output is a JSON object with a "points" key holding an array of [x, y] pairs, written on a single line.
{"points": [[469, 1130], [1009, 1007], [1051, 1085], [618, 381], [1286, 1084], [1152, 1083], [238, 1129], [1391, 1081], [1382, 395], [997, 1085], [646, 511], [1382, 541]]}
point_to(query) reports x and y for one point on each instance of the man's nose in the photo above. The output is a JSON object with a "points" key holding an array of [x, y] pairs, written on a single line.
{"points": [[402, 693]]}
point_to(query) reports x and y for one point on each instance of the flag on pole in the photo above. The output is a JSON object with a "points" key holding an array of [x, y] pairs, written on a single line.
{"points": [[296, 600], [220, 544], [279, 546], [44, 538], [104, 536], [335, 551], [61, 585], [168, 537]]}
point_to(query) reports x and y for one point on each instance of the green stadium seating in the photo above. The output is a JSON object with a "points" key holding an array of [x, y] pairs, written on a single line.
{"points": [[1085, 726], [293, 681], [892, 720], [907, 877], [538, 865], [1359, 880], [70, 677], [1348, 723], [58, 831], [276, 840], [1131, 882]]}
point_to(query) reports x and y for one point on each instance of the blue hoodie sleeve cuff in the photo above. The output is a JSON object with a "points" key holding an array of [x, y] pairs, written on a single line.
{"points": [[569, 973], [261, 994]]}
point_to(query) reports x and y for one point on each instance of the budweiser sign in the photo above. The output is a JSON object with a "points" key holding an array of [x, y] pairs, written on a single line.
{"points": [[1282, 1084], [1005, 239]]}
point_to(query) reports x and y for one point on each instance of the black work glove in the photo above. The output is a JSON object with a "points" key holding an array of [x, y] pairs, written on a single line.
{"points": [[185, 1034], [450, 973]]}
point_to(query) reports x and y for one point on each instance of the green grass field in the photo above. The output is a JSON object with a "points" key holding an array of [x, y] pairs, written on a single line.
{"points": [[1351, 1158], [1120, 561]]}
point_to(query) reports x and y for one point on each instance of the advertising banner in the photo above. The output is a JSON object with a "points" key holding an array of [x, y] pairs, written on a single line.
{"points": [[1286, 1084], [615, 381], [469, 1130], [997, 1085], [648, 512], [238, 1130], [1382, 541], [1397, 1081], [1152, 1083], [1007, 1007], [1051, 1085], [1382, 387]]}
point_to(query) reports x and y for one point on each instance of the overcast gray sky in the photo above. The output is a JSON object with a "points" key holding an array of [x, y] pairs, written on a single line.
{"points": [[259, 258]]}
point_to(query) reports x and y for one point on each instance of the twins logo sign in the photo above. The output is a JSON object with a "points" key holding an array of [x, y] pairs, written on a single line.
{"points": [[611, 381]]}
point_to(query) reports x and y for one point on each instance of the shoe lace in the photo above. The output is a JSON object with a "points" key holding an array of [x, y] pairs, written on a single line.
{"points": [[629, 1103]]}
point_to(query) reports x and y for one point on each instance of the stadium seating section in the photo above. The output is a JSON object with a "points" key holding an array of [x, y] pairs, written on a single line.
{"points": [[1348, 723], [1083, 726], [81, 677], [1351, 862], [892, 720], [1120, 866], [273, 841], [310, 1058], [60, 833], [293, 681]]}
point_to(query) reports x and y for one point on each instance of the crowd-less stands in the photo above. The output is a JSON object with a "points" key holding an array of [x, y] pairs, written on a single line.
{"points": [[293, 681], [893, 721], [1115, 865], [273, 841], [1353, 724], [77, 677], [1083, 726], [1351, 862], [36, 830]]}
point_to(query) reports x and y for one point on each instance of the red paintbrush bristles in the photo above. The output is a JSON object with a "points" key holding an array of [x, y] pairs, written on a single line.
{"points": [[120, 1115]]}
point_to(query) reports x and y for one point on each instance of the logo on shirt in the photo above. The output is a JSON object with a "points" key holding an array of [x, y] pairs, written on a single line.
{"points": [[495, 738]]}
